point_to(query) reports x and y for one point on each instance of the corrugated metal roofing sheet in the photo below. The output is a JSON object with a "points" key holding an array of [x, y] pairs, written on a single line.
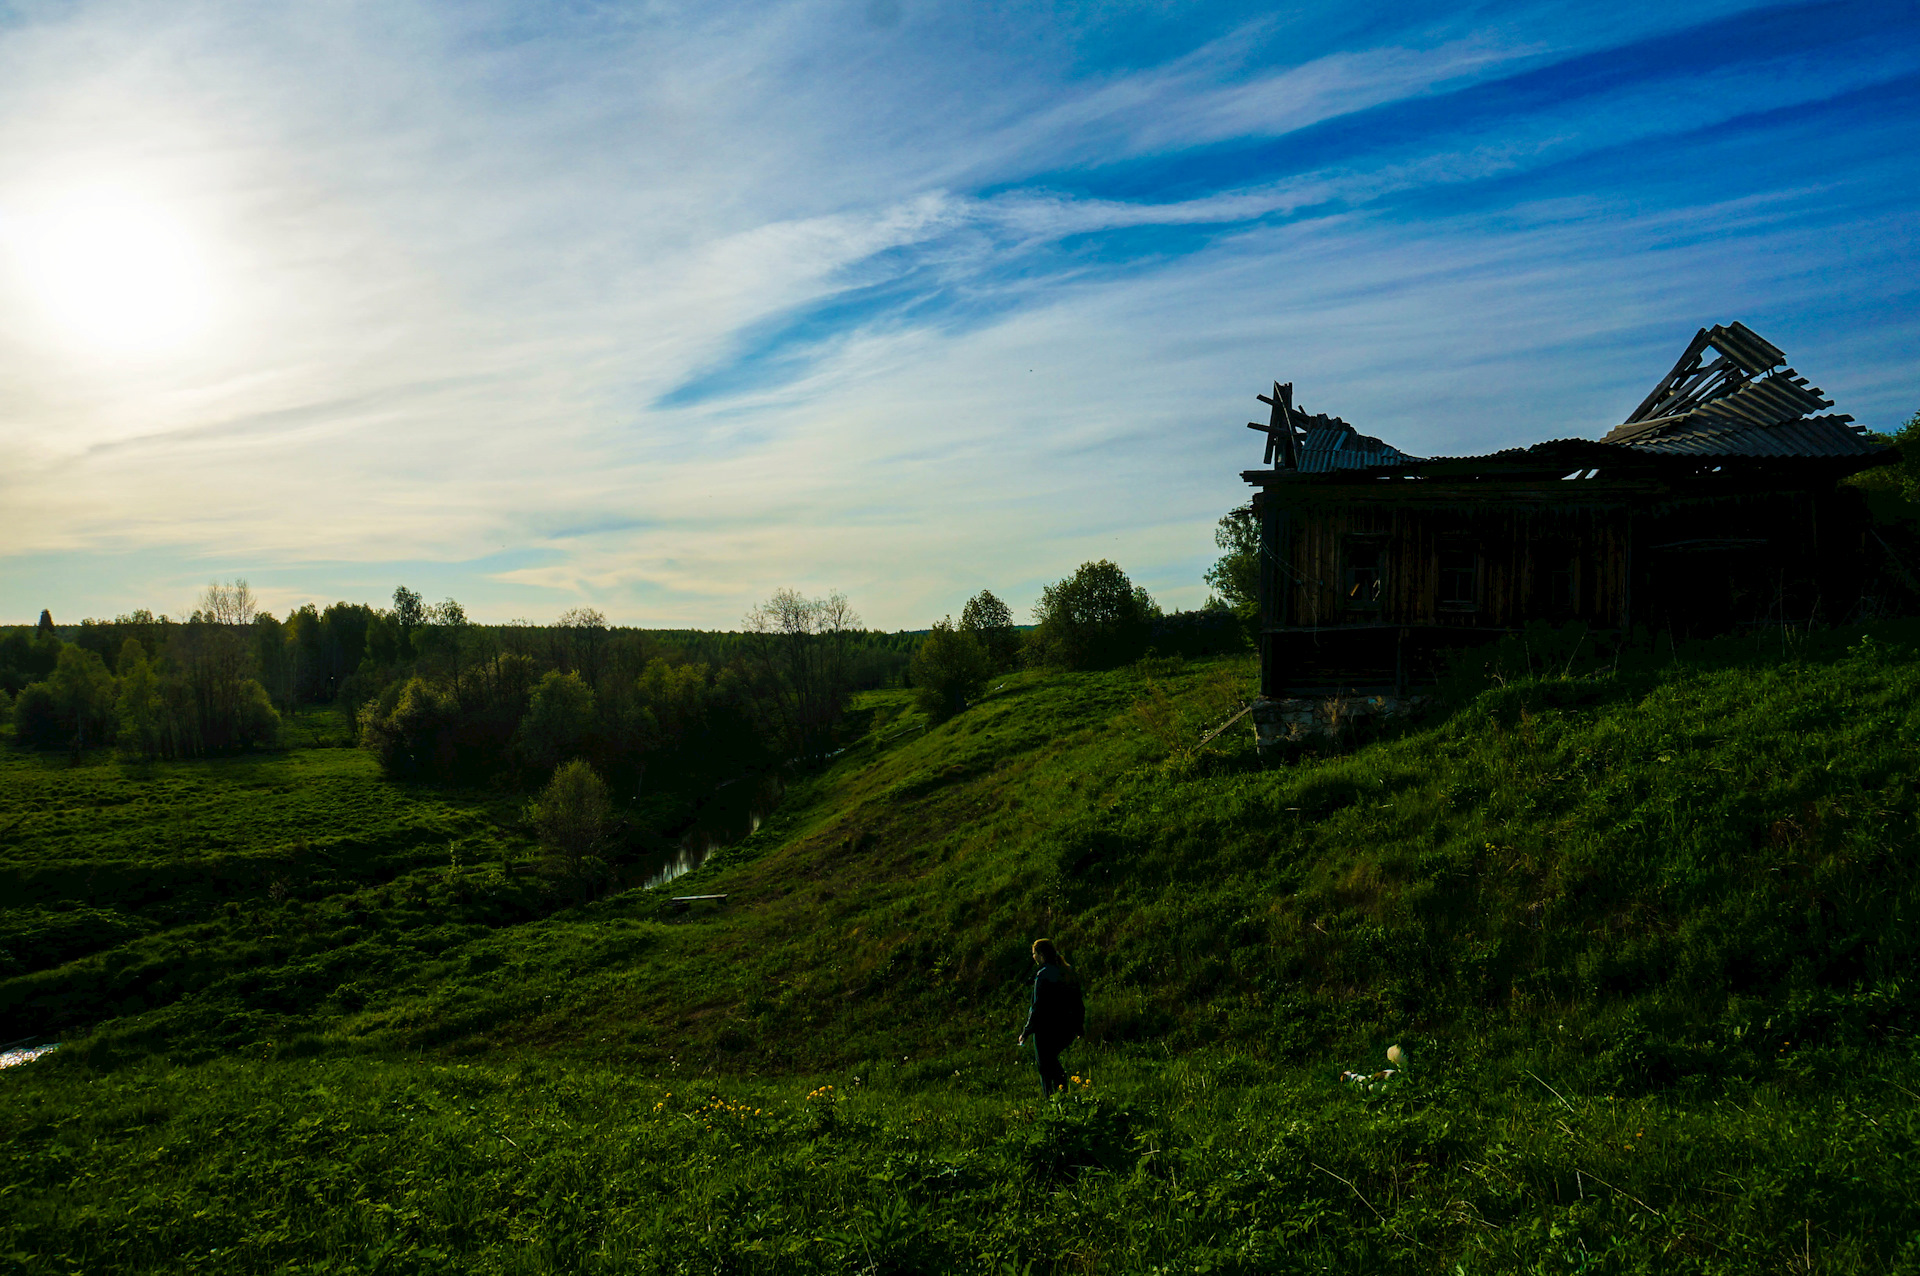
{"points": [[1784, 396], [1809, 437], [1780, 397], [1331, 444], [1754, 353]]}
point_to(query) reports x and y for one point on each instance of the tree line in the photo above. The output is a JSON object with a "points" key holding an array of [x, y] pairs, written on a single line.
{"points": [[159, 688], [1096, 618], [435, 696]]}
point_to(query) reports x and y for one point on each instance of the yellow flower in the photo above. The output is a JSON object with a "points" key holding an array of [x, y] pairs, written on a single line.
{"points": [[1396, 1056]]}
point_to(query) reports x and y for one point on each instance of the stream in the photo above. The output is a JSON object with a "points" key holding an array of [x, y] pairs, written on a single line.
{"points": [[24, 1054], [730, 813]]}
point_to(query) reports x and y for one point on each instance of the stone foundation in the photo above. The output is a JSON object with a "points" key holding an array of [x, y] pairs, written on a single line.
{"points": [[1281, 723]]}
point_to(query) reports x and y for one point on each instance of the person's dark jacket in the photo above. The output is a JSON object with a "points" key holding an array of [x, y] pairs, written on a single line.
{"points": [[1052, 1014]]}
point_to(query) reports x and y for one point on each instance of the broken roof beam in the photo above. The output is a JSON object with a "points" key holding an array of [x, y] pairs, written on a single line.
{"points": [[1744, 356], [1687, 363], [1283, 441]]}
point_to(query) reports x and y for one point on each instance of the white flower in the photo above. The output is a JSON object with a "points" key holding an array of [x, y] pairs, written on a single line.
{"points": [[1396, 1056]]}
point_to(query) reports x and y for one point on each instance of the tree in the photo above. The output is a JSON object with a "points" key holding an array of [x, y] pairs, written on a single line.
{"points": [[217, 654], [442, 637], [669, 700], [1235, 576], [406, 728], [991, 622], [579, 639], [255, 721], [36, 719], [141, 708], [276, 659], [800, 649], [408, 611], [1095, 618], [345, 644], [950, 669], [573, 818], [83, 696], [559, 713], [1907, 438], [26, 657], [45, 628]]}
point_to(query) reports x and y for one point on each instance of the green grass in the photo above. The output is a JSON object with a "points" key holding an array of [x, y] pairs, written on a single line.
{"points": [[231, 895], [1646, 933], [1192, 1164]]}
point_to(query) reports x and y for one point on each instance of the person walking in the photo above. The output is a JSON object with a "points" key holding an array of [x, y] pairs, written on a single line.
{"points": [[1056, 1015]]}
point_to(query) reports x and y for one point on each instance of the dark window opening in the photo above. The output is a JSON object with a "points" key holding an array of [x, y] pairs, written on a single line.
{"points": [[1365, 580], [1459, 577]]}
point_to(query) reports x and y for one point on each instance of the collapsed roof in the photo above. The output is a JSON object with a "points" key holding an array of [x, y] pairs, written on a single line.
{"points": [[1729, 396], [1743, 401]]}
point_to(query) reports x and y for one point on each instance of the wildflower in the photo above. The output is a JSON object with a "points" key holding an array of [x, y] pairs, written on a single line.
{"points": [[1396, 1056]]}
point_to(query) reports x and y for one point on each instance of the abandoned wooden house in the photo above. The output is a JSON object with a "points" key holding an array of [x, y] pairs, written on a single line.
{"points": [[1715, 506]]}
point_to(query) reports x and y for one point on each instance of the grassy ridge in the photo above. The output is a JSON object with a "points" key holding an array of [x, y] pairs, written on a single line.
{"points": [[1645, 930]]}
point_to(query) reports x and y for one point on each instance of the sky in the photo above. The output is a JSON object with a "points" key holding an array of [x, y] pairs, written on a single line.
{"points": [[657, 308]]}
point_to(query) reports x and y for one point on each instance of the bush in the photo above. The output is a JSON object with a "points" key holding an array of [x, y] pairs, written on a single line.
{"points": [[950, 668]]}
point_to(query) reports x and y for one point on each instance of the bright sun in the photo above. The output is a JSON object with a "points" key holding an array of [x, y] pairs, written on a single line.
{"points": [[116, 274]]}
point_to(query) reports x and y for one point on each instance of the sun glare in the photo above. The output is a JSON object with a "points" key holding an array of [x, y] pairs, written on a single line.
{"points": [[114, 274]]}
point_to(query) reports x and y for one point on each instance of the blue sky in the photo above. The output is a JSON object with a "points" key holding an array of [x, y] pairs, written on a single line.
{"points": [[657, 308]]}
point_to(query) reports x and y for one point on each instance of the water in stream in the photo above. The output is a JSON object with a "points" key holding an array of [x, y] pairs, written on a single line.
{"points": [[730, 813], [23, 1054]]}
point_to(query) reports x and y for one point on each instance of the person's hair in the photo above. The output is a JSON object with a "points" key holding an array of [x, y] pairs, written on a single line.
{"points": [[1047, 953]]}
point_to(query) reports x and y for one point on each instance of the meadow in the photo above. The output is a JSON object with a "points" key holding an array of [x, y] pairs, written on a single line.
{"points": [[1642, 924]]}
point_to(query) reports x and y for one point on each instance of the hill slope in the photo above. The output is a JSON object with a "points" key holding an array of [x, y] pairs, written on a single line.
{"points": [[1645, 934]]}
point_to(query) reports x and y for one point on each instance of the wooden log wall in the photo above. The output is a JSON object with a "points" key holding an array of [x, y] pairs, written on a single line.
{"points": [[1516, 551]]}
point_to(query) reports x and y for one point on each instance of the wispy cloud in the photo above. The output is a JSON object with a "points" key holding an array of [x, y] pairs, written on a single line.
{"points": [[661, 310]]}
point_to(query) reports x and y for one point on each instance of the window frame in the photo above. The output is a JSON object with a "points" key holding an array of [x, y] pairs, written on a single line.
{"points": [[1375, 543], [1445, 599]]}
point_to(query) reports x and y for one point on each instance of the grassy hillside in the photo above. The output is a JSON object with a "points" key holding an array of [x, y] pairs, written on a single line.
{"points": [[1644, 932]]}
